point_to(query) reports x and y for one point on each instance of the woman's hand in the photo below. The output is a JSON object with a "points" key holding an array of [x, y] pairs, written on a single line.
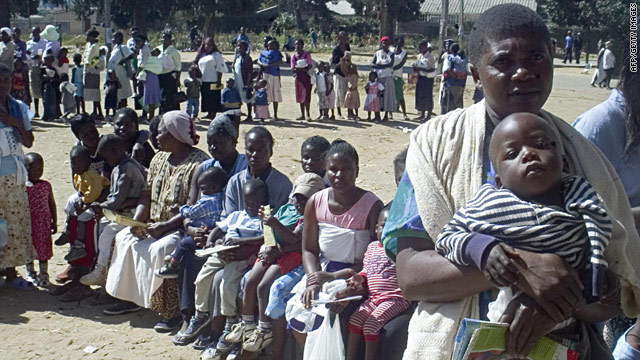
{"points": [[310, 293], [138, 232], [338, 307], [319, 278], [553, 284], [527, 323], [157, 230]]}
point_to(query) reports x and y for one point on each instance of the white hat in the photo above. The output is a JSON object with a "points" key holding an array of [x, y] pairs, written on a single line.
{"points": [[6, 30], [50, 33], [302, 63]]}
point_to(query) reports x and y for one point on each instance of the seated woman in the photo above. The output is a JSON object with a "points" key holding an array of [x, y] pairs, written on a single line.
{"points": [[339, 224], [511, 53], [138, 253]]}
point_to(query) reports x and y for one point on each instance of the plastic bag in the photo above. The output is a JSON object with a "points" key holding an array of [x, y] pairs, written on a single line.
{"points": [[326, 342]]}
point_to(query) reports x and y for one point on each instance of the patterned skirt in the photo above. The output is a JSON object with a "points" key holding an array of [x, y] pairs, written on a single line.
{"points": [[14, 208]]}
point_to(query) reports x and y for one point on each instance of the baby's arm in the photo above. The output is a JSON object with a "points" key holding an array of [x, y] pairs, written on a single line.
{"points": [[321, 277], [255, 240], [215, 236]]}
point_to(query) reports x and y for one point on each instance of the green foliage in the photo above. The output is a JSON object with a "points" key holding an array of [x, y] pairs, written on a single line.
{"points": [[284, 21], [24, 8]]}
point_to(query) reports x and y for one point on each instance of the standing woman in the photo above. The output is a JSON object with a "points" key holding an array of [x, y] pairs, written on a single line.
{"points": [[383, 64], [340, 76], [148, 76], [120, 63], [399, 59], [15, 131], [35, 47], [425, 66], [211, 64], [92, 67], [301, 64], [243, 75]]}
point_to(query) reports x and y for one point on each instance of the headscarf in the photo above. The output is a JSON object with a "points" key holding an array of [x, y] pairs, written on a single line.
{"points": [[385, 38], [180, 126], [223, 125], [50, 33], [6, 30]]}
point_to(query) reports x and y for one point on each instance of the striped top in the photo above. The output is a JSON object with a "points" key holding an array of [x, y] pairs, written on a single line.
{"points": [[380, 271], [578, 233]]}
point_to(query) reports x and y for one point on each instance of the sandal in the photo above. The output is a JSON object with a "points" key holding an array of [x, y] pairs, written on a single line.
{"points": [[59, 290], [203, 341], [20, 284]]}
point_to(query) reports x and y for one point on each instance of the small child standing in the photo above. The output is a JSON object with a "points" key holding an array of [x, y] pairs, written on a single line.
{"points": [[321, 91], [43, 218], [20, 85], [193, 84], [352, 99], [385, 301], [374, 91], [243, 228], [111, 86], [262, 104], [67, 90], [231, 99], [331, 94], [91, 187], [77, 79], [204, 214], [50, 81]]}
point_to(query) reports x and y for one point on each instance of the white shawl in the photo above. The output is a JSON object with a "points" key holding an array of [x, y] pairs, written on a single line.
{"points": [[445, 165]]}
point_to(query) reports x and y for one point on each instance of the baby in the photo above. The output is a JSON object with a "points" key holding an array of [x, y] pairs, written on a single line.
{"points": [[534, 208], [203, 214]]}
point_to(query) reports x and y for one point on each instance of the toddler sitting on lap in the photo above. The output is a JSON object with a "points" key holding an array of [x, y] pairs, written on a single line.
{"points": [[203, 214]]}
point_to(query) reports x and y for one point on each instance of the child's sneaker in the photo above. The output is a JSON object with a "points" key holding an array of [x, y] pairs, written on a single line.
{"points": [[240, 332], [258, 340], [76, 252], [32, 277], [43, 280], [223, 345], [236, 353], [169, 270]]}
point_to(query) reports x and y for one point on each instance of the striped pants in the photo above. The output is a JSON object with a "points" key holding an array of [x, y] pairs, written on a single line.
{"points": [[373, 314]]}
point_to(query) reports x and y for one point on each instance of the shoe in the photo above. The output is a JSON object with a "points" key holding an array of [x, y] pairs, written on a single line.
{"points": [[66, 275], [168, 325], [97, 277], [191, 333], [63, 239], [32, 277], [76, 252], [121, 307], [169, 270], [258, 340], [77, 293], [222, 344], [240, 332], [204, 341], [43, 280], [211, 353], [236, 353]]}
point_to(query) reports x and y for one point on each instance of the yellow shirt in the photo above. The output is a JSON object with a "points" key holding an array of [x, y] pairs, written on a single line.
{"points": [[90, 184]]}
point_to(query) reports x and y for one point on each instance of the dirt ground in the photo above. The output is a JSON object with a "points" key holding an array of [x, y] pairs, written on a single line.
{"points": [[35, 325]]}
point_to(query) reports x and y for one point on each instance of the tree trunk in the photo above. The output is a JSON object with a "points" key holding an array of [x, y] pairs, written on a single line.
{"points": [[297, 11], [5, 14], [210, 24], [387, 21], [139, 18], [443, 20]]}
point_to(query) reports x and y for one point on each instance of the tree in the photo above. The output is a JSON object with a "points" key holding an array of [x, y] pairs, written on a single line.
{"points": [[388, 12], [24, 8]]}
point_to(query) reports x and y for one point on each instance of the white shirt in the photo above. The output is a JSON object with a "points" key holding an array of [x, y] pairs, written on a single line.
{"points": [[383, 58], [210, 66], [36, 49], [397, 59], [321, 84], [609, 60]]}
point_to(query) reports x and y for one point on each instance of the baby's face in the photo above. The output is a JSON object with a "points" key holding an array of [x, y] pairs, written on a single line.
{"points": [[526, 156]]}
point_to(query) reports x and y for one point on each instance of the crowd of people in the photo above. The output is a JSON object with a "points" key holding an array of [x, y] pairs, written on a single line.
{"points": [[503, 211]]}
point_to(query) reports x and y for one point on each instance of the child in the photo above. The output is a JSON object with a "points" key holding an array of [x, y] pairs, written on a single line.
{"points": [[43, 218], [67, 90], [111, 85], [77, 79], [231, 99], [20, 85], [262, 105], [321, 91], [243, 228], [399, 164], [153, 131], [273, 263], [385, 300], [128, 182], [62, 62], [193, 84], [203, 214], [50, 82], [91, 187], [331, 94], [352, 99], [374, 91], [563, 216]]}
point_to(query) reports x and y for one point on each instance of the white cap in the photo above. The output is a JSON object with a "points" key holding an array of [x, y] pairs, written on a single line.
{"points": [[6, 30]]}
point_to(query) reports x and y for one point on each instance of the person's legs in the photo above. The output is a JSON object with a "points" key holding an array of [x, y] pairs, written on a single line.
{"points": [[249, 113], [190, 107], [204, 281], [302, 106], [382, 313], [105, 243], [275, 110]]}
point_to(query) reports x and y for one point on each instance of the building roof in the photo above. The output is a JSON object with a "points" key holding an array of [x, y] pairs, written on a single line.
{"points": [[470, 6]]}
